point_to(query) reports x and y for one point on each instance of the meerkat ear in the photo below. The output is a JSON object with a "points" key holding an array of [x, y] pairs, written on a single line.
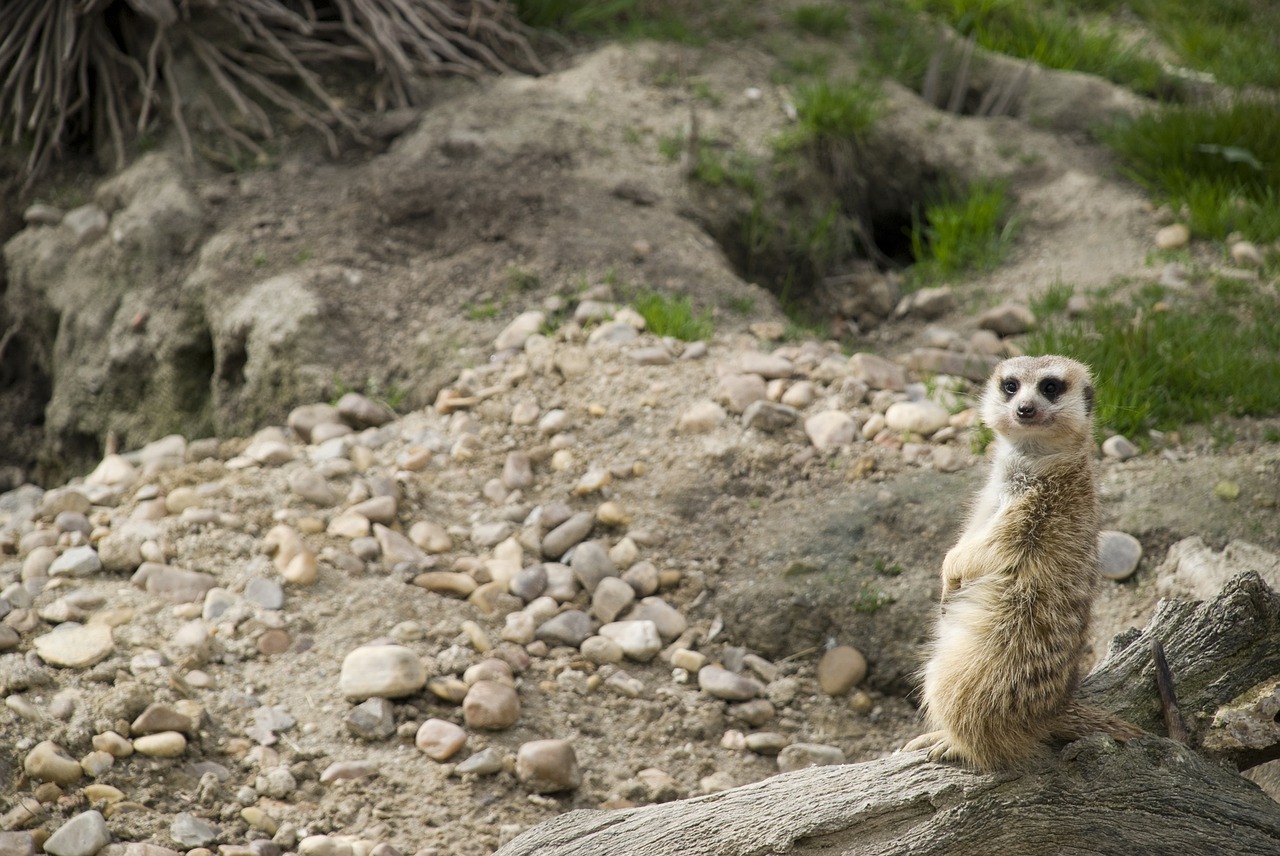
{"points": [[1088, 399]]}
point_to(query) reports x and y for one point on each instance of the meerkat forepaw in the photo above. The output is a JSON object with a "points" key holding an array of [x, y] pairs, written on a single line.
{"points": [[937, 744], [925, 741]]}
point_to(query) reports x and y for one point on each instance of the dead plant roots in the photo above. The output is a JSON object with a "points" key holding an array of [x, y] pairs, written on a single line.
{"points": [[107, 71]]}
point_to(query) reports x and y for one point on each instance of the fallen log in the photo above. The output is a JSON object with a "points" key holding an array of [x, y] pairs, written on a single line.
{"points": [[1151, 796]]}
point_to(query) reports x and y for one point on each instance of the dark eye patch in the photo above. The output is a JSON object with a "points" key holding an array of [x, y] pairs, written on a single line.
{"points": [[1009, 385], [1052, 387]]}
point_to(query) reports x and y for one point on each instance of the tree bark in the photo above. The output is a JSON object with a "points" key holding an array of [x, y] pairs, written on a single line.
{"points": [[1151, 796]]}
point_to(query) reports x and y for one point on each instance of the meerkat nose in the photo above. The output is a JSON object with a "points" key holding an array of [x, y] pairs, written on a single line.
{"points": [[1026, 410]]}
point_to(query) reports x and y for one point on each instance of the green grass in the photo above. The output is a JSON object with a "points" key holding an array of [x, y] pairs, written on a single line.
{"points": [[1237, 41], [966, 233], [829, 22], [833, 111], [629, 20], [667, 315], [1161, 364], [1221, 161], [1051, 35]]}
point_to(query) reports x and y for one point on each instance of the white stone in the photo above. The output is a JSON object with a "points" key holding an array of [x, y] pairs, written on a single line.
{"points": [[830, 429], [384, 671], [918, 417], [639, 640], [76, 647]]}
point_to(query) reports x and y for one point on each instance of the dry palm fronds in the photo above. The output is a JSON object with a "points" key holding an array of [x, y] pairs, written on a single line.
{"points": [[101, 70]]}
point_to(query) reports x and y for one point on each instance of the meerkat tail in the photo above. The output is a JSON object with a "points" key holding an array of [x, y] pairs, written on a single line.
{"points": [[1079, 720]]}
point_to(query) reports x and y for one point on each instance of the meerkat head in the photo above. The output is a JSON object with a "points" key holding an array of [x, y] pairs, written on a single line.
{"points": [[1040, 404]]}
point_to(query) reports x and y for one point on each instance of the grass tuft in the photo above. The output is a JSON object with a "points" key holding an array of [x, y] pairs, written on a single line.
{"points": [[833, 112], [1051, 36], [1161, 365], [667, 315], [1220, 161], [970, 232], [828, 22]]}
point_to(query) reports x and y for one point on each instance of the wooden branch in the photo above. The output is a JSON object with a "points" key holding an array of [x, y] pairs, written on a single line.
{"points": [[1150, 796]]}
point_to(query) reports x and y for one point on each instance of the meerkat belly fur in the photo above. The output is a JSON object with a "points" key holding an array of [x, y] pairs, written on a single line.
{"points": [[1018, 587]]}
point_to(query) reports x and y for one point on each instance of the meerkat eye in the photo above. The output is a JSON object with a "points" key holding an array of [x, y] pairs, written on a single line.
{"points": [[1009, 385], [1051, 388]]}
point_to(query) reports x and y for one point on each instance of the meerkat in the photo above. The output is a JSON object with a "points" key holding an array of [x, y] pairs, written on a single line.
{"points": [[1018, 586]]}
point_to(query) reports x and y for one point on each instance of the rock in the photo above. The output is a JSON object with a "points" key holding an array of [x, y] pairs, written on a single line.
{"points": [[377, 509], [47, 762], [622, 683], [349, 524], [767, 366], [1007, 319], [799, 395], [166, 744], [797, 756], [643, 577], [639, 640], [1118, 447], [766, 742], [841, 669], [927, 303], [304, 418], [396, 548], [1247, 255], [613, 333], [87, 223], [83, 835], [76, 647], [372, 719], [568, 534], [727, 685], [323, 845], [447, 582], [737, 391], [345, 770], [611, 597], [517, 471], [769, 417], [161, 717], [655, 355], [548, 766], [1172, 237], [570, 627], [521, 328], [76, 562], [486, 762], [491, 705], [269, 452], [591, 564], [120, 552], [701, 418], [669, 621], [190, 831], [975, 367], [830, 429], [755, 713], [386, 671], [688, 659], [877, 372], [601, 650], [431, 537], [265, 593], [313, 487], [918, 417], [439, 739], [175, 584], [359, 411], [1118, 554]]}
